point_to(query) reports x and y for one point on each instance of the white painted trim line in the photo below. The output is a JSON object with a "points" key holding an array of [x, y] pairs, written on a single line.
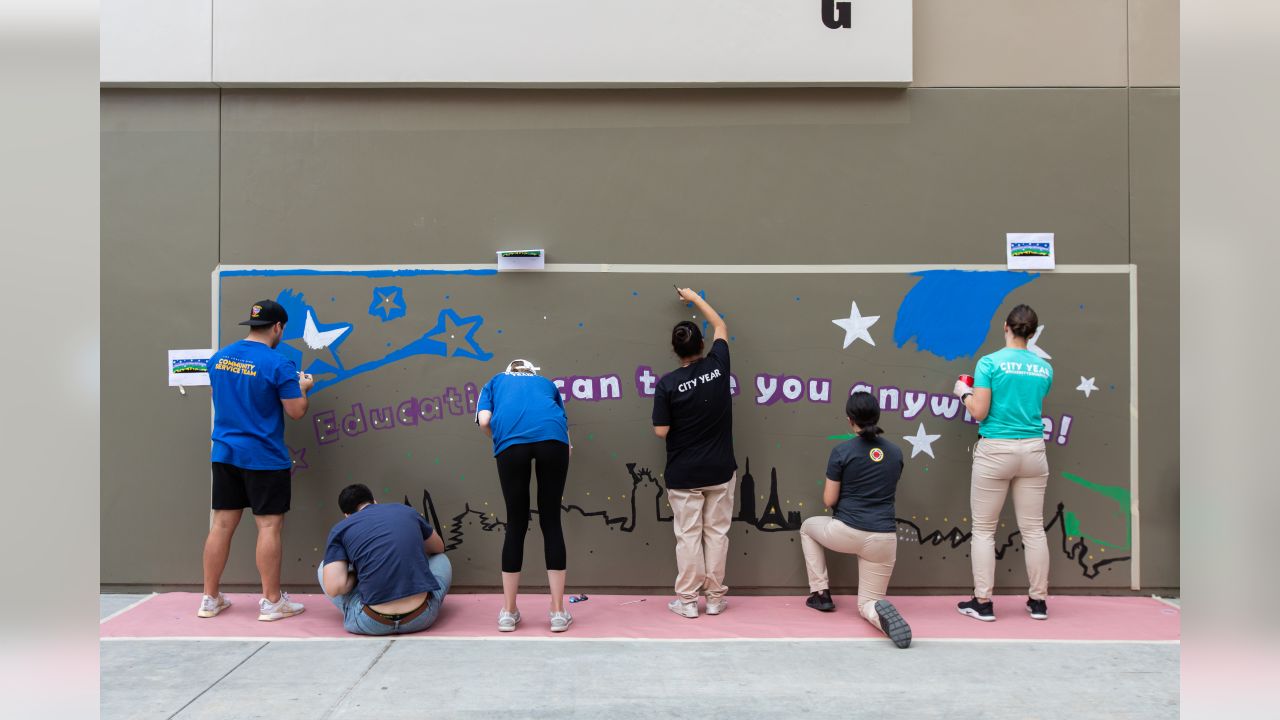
{"points": [[428, 637], [1135, 554], [127, 608], [703, 269], [1167, 601]]}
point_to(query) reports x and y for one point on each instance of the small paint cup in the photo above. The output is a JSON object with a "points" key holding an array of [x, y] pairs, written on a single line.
{"points": [[967, 380]]}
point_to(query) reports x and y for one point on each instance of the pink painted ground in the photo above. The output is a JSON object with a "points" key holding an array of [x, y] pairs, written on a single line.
{"points": [[604, 616]]}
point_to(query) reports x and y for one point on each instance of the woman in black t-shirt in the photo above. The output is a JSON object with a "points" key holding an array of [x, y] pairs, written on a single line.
{"points": [[862, 481], [693, 413]]}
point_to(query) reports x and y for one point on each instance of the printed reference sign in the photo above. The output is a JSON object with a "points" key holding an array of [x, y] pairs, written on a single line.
{"points": [[189, 367], [1029, 251]]}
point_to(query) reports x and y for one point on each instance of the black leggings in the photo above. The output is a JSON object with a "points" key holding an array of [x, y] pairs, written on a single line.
{"points": [[514, 465]]}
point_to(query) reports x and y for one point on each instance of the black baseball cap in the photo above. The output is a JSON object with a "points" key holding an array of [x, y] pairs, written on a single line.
{"points": [[266, 312]]}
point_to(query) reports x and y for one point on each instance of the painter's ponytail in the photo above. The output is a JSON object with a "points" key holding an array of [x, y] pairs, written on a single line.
{"points": [[864, 411]]}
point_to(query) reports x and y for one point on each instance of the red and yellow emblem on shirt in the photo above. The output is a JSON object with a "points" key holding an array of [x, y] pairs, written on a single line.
{"points": [[876, 455]]}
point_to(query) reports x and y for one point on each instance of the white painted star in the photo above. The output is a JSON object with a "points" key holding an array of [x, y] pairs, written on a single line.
{"points": [[1033, 347], [921, 442], [317, 340], [855, 326], [1086, 385]]}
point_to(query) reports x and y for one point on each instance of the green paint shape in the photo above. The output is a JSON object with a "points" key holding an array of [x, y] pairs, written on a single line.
{"points": [[591, 436], [846, 436], [1112, 492]]}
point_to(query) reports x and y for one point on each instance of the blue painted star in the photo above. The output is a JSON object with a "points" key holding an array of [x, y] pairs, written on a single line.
{"points": [[464, 331], [388, 303]]}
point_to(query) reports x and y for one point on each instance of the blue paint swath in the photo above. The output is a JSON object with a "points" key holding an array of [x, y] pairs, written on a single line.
{"points": [[949, 312]]}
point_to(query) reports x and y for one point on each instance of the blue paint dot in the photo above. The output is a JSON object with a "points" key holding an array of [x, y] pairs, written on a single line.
{"points": [[1113, 387], [446, 297], [797, 298], [388, 344], [1082, 307], [732, 337], [499, 332], [634, 293], [332, 299], [580, 325]]}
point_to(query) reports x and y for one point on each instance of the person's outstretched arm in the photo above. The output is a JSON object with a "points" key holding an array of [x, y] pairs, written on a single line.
{"points": [[708, 312]]}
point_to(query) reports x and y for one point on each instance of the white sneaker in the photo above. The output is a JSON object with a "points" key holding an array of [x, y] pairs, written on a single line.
{"points": [[279, 610], [683, 609], [560, 621], [716, 606], [508, 621], [212, 606]]}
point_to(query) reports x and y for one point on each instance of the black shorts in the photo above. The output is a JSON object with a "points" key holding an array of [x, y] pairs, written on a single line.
{"points": [[235, 488]]}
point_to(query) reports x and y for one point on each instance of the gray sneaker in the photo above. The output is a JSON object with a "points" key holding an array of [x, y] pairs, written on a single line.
{"points": [[560, 621], [683, 609], [715, 606], [508, 621]]}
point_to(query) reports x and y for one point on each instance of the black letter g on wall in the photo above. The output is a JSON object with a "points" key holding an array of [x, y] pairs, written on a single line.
{"points": [[836, 15]]}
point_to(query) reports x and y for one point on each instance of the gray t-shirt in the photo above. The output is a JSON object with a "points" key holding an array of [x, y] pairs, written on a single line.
{"points": [[868, 473]]}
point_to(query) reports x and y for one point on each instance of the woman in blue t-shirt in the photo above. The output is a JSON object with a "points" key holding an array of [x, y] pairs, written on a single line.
{"points": [[524, 414], [1006, 398], [862, 482]]}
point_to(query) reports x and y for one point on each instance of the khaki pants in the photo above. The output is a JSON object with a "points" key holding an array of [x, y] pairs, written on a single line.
{"points": [[998, 466], [877, 553], [701, 518]]}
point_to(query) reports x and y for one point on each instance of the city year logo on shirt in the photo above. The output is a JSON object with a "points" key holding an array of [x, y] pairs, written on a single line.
{"points": [[688, 385], [876, 455], [1017, 368]]}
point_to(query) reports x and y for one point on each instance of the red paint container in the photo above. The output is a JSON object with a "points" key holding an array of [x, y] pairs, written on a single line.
{"points": [[967, 380]]}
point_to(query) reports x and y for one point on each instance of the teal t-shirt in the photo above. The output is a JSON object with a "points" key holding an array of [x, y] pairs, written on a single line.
{"points": [[1019, 380]]}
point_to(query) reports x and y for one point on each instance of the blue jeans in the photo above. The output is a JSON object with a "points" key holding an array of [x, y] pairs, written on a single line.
{"points": [[352, 607]]}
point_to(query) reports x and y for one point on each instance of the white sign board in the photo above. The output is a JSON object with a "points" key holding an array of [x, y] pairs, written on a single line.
{"points": [[189, 367], [521, 260], [1029, 251], [562, 42]]}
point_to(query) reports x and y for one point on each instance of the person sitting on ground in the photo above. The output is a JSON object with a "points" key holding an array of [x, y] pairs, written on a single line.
{"points": [[384, 566], [862, 482]]}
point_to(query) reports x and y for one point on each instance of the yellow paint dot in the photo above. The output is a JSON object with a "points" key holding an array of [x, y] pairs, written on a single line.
{"points": [[800, 504], [964, 519], [1102, 549], [486, 502], [624, 497], [1090, 557], [609, 497], [926, 517], [945, 520], [1001, 524], [913, 517], [588, 494]]}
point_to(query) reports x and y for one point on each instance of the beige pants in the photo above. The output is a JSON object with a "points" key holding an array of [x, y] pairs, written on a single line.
{"points": [[877, 553], [701, 518], [998, 466]]}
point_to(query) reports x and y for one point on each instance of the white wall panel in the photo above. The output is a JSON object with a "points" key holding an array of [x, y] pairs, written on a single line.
{"points": [[156, 42]]}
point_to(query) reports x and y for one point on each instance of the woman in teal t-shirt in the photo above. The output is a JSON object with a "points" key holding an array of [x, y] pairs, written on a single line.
{"points": [[1006, 398]]}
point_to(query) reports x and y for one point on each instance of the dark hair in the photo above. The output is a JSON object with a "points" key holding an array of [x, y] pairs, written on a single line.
{"points": [[864, 411], [686, 339], [353, 496], [1022, 321]]}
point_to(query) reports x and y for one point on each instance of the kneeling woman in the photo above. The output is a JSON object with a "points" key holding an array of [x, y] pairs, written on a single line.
{"points": [[524, 414], [862, 481]]}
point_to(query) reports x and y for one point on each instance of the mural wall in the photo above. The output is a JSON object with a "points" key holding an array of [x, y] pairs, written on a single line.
{"points": [[399, 357]]}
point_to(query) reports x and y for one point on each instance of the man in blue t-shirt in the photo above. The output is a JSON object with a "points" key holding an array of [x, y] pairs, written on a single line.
{"points": [[384, 566], [253, 387]]}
